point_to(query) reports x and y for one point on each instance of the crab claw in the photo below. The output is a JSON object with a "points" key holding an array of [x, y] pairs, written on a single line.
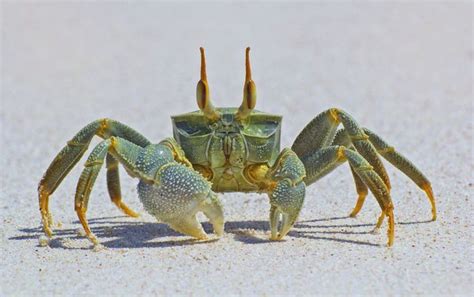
{"points": [[180, 193], [286, 201], [189, 225]]}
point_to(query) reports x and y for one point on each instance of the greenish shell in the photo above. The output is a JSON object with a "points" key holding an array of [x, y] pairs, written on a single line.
{"points": [[228, 146]]}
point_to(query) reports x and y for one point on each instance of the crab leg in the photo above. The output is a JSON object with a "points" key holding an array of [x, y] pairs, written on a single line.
{"points": [[397, 160], [362, 192], [324, 160], [320, 132], [171, 191], [113, 186], [117, 147], [404, 165], [70, 155]]}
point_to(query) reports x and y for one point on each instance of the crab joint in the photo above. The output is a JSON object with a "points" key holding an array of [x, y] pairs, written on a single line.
{"points": [[340, 154], [203, 96], [334, 115], [250, 90], [103, 128]]}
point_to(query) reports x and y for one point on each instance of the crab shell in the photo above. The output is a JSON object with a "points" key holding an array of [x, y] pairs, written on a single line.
{"points": [[226, 149]]}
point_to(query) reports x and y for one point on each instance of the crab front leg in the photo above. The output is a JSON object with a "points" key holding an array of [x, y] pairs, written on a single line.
{"points": [[286, 190], [179, 192], [169, 190]]}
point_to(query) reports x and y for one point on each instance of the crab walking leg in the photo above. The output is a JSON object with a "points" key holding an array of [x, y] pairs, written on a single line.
{"points": [[316, 134], [397, 160], [320, 132], [404, 165], [318, 163], [362, 192], [343, 139], [116, 146], [70, 155], [113, 186]]}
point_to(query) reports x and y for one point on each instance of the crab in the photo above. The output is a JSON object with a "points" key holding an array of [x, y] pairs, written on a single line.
{"points": [[215, 150]]}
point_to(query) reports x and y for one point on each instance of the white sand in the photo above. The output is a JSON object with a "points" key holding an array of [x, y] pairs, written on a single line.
{"points": [[403, 70]]}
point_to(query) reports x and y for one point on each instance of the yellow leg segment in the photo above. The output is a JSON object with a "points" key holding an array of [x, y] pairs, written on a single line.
{"points": [[429, 193], [391, 225], [46, 217], [380, 220], [81, 213], [124, 208], [113, 186], [359, 204]]}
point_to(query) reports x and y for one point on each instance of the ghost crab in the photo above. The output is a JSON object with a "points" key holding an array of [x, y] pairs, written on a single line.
{"points": [[228, 150]]}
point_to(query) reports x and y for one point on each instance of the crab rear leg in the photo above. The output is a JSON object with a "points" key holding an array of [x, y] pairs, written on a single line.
{"points": [[320, 133], [362, 192], [397, 160], [404, 165], [70, 155], [343, 139], [326, 159]]}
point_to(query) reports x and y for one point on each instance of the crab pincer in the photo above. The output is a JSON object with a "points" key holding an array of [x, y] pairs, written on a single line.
{"points": [[287, 193], [177, 196]]}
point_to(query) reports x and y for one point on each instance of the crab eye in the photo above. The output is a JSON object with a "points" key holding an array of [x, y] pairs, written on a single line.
{"points": [[250, 91], [192, 129], [263, 128]]}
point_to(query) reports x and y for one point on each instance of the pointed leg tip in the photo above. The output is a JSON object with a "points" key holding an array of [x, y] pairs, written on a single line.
{"points": [[133, 215], [98, 247], [391, 238], [48, 232], [93, 239], [124, 208], [429, 192]]}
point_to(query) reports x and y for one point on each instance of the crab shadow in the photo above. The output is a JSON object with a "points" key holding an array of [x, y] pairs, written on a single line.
{"points": [[119, 232]]}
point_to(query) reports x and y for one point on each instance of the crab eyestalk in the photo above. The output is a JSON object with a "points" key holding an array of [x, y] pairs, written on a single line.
{"points": [[250, 91], [203, 96]]}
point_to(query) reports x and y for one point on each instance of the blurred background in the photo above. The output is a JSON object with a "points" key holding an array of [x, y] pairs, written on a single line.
{"points": [[403, 69]]}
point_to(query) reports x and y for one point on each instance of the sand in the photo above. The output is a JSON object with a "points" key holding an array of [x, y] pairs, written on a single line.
{"points": [[403, 70]]}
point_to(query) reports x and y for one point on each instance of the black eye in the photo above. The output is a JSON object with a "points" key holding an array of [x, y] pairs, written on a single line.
{"points": [[193, 129], [262, 128]]}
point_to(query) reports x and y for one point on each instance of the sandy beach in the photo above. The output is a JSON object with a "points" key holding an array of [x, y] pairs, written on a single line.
{"points": [[403, 70]]}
